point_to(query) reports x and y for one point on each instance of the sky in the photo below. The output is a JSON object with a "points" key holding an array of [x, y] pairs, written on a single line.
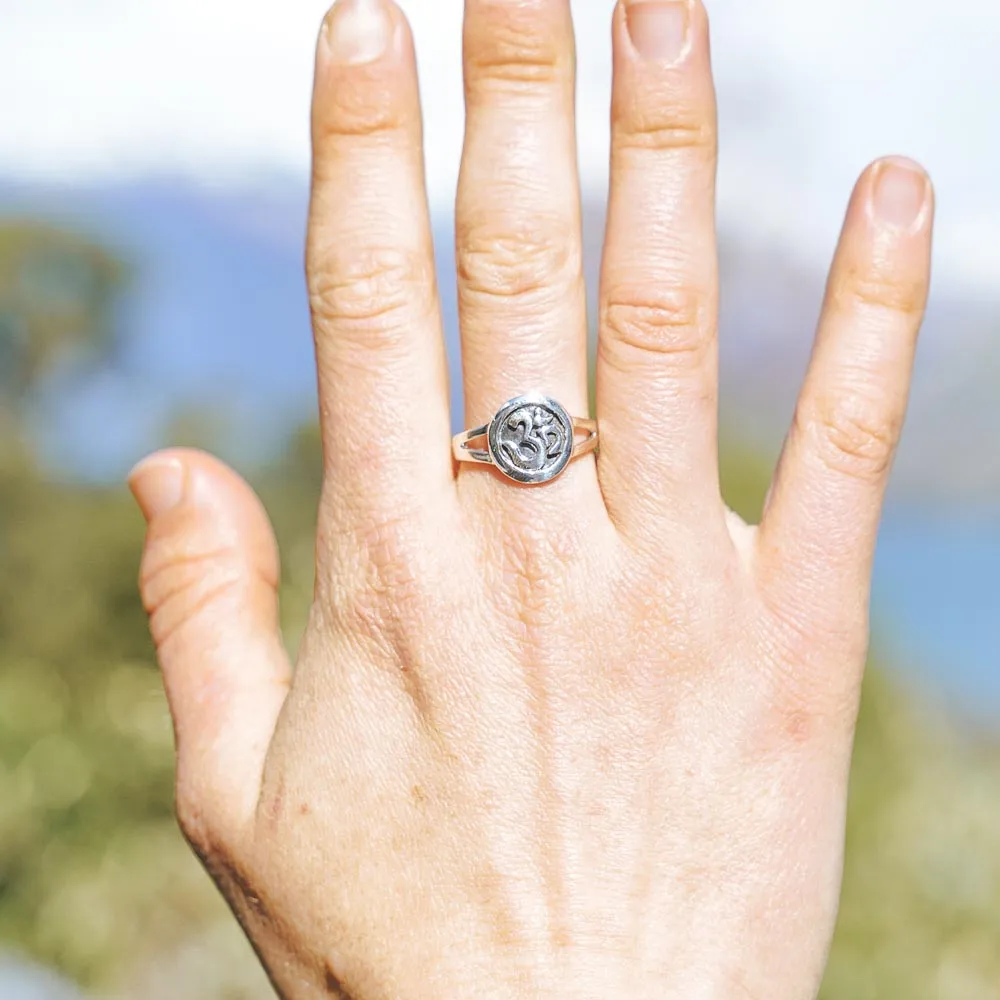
{"points": [[810, 90]]}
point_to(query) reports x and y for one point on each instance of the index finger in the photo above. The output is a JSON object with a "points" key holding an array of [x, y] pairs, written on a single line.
{"points": [[372, 288]]}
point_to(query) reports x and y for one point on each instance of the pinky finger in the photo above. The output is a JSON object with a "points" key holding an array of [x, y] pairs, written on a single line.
{"points": [[817, 538]]}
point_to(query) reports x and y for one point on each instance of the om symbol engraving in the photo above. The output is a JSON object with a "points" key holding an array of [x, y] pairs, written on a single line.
{"points": [[531, 439]]}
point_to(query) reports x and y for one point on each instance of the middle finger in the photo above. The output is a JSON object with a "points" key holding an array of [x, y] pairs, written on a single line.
{"points": [[521, 294]]}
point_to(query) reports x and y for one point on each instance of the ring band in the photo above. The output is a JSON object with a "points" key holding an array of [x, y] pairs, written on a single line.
{"points": [[531, 439]]}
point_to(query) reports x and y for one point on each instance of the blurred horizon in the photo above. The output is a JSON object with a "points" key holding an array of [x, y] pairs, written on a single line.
{"points": [[213, 265]]}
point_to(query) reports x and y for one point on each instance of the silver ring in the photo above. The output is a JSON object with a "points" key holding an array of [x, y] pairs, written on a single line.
{"points": [[531, 440]]}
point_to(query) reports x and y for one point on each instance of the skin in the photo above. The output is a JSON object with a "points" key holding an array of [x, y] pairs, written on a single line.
{"points": [[589, 739]]}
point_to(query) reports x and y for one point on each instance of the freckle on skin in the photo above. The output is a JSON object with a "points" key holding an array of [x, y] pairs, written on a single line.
{"points": [[305, 809], [418, 794], [561, 938], [797, 727], [277, 801]]}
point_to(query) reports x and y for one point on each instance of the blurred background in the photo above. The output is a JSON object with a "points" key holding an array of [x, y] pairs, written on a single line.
{"points": [[153, 185]]}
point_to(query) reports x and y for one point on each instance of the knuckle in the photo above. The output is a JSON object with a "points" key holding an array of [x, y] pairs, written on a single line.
{"points": [[381, 585], [389, 549], [662, 321], [509, 48], [374, 289], [498, 260], [884, 292], [358, 109], [535, 561], [797, 634], [179, 581], [663, 125], [196, 819], [856, 435], [814, 665], [376, 579]]}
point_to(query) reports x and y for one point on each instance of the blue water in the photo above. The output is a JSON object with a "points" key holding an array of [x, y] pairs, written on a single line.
{"points": [[936, 603]]}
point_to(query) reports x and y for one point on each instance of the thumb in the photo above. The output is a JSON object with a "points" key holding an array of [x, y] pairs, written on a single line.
{"points": [[209, 582]]}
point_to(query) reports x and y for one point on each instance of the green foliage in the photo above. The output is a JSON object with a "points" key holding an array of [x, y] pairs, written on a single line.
{"points": [[920, 916], [57, 292], [85, 744], [744, 479]]}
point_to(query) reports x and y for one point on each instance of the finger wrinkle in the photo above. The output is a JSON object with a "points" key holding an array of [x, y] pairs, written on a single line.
{"points": [[525, 44]]}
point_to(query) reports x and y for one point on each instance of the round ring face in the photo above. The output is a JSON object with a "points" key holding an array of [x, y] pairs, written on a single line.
{"points": [[531, 439]]}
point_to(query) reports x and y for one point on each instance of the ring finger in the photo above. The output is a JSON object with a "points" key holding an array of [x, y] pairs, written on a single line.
{"points": [[657, 355]]}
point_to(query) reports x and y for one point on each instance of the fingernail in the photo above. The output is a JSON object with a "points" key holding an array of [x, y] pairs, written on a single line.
{"points": [[358, 31], [157, 483], [900, 192], [659, 29]]}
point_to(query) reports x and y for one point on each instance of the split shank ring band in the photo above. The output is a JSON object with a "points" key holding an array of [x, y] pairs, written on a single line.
{"points": [[531, 440]]}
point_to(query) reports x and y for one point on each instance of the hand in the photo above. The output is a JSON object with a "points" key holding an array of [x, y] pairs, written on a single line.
{"points": [[586, 739]]}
